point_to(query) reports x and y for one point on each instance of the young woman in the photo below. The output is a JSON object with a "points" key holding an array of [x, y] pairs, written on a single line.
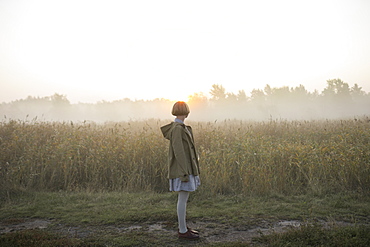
{"points": [[183, 165]]}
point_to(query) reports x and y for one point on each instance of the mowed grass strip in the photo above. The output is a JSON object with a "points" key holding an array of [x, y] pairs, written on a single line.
{"points": [[104, 212], [116, 208]]}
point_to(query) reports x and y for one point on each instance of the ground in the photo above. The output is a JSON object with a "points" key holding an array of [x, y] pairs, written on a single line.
{"points": [[211, 232]]}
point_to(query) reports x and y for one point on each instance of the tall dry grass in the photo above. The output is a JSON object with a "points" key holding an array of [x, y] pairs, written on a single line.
{"points": [[288, 157]]}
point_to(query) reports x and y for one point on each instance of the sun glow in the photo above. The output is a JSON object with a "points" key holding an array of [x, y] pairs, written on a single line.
{"points": [[113, 50]]}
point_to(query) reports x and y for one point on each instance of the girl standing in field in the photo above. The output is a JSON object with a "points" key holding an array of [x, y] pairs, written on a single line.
{"points": [[183, 165]]}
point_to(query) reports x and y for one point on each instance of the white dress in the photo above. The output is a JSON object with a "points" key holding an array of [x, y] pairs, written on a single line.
{"points": [[177, 185]]}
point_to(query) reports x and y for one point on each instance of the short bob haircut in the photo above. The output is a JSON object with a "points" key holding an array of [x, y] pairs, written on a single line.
{"points": [[180, 108]]}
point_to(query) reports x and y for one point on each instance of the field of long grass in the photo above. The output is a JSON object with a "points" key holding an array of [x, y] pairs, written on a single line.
{"points": [[236, 157]]}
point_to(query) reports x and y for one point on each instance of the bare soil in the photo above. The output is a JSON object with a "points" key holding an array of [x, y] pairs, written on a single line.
{"points": [[210, 232]]}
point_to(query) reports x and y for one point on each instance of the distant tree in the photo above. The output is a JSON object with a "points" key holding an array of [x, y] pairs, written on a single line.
{"points": [[257, 95], [231, 97], [357, 91], [280, 94], [361, 101], [300, 91], [268, 90], [277, 100], [258, 104], [337, 101], [242, 97], [59, 100], [197, 99], [218, 92], [337, 88], [61, 107], [300, 95]]}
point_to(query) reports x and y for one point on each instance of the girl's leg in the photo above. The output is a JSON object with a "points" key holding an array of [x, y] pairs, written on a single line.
{"points": [[181, 210]]}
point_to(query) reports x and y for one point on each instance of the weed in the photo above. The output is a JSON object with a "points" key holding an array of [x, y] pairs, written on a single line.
{"points": [[37, 238], [236, 157], [315, 235]]}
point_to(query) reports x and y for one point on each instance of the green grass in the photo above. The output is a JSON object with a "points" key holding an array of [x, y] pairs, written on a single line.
{"points": [[103, 213], [91, 208], [115, 208], [37, 238], [315, 235]]}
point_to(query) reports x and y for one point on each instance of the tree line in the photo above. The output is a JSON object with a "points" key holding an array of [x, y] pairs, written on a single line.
{"points": [[337, 100]]}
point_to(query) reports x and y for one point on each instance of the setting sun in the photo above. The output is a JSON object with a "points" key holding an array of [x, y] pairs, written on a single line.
{"points": [[109, 50]]}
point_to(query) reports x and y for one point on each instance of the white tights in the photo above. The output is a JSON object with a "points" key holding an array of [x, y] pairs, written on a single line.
{"points": [[181, 210]]}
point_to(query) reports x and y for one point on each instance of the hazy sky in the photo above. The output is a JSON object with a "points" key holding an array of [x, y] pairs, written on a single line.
{"points": [[109, 50]]}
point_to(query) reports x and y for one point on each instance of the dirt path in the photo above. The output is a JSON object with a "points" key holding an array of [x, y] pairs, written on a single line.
{"points": [[211, 232]]}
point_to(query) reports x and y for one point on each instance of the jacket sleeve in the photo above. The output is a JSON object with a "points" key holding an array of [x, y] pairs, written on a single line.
{"points": [[179, 152]]}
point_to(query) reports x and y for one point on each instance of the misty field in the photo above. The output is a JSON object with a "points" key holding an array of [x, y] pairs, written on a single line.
{"points": [[236, 157]]}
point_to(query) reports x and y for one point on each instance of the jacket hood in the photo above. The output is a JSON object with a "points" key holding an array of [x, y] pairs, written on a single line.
{"points": [[167, 129]]}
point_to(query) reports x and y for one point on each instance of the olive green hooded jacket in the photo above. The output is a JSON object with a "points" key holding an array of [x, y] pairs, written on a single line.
{"points": [[182, 156]]}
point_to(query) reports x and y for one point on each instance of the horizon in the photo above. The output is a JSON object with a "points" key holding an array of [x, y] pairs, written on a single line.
{"points": [[206, 94], [110, 50]]}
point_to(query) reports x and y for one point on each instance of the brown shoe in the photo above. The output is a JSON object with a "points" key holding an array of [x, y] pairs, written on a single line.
{"points": [[188, 235], [193, 231]]}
